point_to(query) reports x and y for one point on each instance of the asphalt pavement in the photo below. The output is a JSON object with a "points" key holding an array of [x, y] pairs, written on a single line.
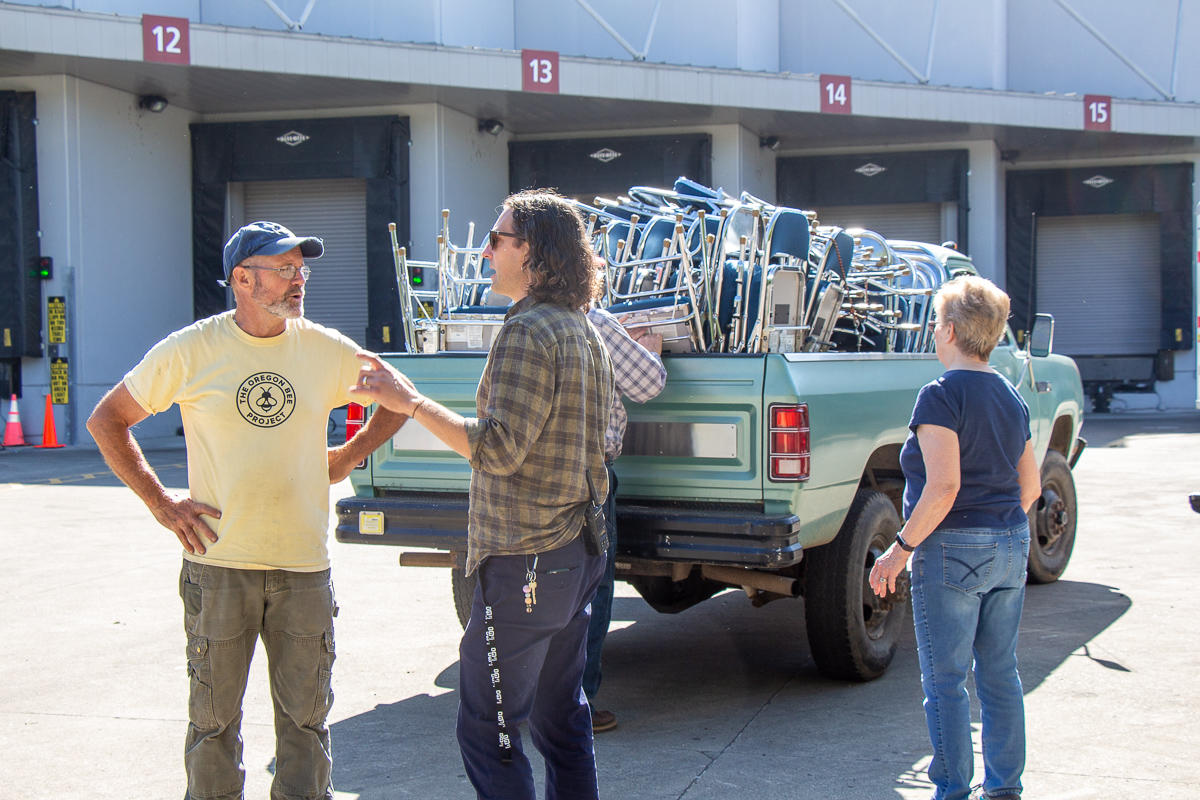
{"points": [[720, 701]]}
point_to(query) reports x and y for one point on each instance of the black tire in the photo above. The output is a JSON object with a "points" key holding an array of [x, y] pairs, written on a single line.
{"points": [[851, 632], [463, 588], [1052, 521]]}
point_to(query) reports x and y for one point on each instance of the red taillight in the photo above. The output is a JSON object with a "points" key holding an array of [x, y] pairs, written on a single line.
{"points": [[789, 442], [356, 415]]}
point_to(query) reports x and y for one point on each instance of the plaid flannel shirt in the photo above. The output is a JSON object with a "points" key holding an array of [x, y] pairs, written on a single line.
{"points": [[543, 404], [639, 375]]}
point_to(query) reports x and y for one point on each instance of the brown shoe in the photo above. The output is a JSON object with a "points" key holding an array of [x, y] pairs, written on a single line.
{"points": [[603, 720]]}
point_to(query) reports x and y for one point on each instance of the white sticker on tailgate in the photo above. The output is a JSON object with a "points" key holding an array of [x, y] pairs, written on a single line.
{"points": [[413, 436]]}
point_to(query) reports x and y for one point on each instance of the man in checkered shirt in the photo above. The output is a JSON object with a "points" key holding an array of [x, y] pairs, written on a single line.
{"points": [[543, 405], [640, 376]]}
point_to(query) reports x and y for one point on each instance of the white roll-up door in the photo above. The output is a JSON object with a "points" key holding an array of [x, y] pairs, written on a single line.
{"points": [[336, 211], [920, 222], [1100, 276]]}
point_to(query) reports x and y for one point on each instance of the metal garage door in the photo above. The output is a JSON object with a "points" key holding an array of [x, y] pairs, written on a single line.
{"points": [[336, 211], [921, 222], [1100, 276]]}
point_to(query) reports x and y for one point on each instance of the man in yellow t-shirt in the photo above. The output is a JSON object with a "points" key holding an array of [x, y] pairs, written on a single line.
{"points": [[255, 387]]}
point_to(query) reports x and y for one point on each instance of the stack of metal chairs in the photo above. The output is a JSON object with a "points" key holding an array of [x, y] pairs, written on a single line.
{"points": [[711, 273]]}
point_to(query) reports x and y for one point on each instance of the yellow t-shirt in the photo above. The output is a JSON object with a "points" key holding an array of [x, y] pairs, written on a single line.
{"points": [[254, 416]]}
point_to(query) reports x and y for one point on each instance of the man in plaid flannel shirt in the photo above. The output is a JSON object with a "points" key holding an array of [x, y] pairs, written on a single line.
{"points": [[640, 376], [543, 405]]}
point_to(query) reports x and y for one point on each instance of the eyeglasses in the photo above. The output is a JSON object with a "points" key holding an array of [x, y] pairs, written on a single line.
{"points": [[494, 237], [288, 273]]}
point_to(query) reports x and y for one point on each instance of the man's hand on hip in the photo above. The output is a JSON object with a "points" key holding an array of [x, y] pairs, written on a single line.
{"points": [[182, 517]]}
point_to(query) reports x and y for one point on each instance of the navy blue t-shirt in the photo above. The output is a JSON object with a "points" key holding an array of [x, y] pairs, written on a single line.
{"points": [[992, 423]]}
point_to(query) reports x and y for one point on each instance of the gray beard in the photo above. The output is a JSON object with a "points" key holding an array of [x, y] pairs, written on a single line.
{"points": [[283, 310], [280, 308]]}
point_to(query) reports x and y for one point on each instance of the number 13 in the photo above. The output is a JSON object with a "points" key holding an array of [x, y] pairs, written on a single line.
{"points": [[541, 70]]}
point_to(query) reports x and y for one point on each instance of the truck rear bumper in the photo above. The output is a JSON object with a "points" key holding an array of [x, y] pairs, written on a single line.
{"points": [[742, 537], [663, 533]]}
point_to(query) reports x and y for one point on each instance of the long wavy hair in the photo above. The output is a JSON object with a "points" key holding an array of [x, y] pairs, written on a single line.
{"points": [[561, 261]]}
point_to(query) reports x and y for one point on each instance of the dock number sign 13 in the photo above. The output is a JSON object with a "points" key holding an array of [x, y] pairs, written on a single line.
{"points": [[835, 94], [1097, 112], [165, 40], [539, 71]]}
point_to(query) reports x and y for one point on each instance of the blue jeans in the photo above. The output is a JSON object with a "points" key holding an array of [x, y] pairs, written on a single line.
{"points": [[602, 602], [968, 587]]}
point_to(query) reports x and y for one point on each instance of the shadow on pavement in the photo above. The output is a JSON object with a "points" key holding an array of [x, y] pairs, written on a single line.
{"points": [[724, 676], [85, 466], [1111, 430]]}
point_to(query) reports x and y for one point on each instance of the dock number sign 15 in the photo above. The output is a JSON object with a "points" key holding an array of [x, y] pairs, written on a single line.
{"points": [[165, 40], [1097, 112], [835, 94], [539, 71]]}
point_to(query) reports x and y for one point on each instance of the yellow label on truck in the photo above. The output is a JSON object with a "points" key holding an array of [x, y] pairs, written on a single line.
{"points": [[370, 522]]}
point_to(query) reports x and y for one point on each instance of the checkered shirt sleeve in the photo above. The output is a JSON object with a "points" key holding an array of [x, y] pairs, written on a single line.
{"points": [[639, 375]]}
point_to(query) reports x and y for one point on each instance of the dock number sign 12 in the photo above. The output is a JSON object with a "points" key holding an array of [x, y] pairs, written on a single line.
{"points": [[539, 71], [1097, 112], [835, 94], [165, 40]]}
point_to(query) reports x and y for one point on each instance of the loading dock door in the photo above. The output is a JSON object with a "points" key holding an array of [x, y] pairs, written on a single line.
{"points": [[921, 222], [336, 211], [1099, 275]]}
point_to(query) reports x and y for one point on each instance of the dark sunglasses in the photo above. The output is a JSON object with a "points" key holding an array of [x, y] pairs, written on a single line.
{"points": [[494, 237]]}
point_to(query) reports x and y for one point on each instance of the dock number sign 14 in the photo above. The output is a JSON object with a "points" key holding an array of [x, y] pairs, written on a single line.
{"points": [[165, 40], [1097, 112], [539, 71], [835, 94]]}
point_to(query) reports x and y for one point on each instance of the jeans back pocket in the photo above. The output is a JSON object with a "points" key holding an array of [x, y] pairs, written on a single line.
{"points": [[968, 567]]}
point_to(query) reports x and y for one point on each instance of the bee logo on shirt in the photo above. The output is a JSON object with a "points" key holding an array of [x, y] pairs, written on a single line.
{"points": [[266, 399]]}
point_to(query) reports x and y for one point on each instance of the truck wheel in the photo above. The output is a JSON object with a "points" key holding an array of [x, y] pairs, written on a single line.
{"points": [[464, 593], [851, 632], [1052, 523]]}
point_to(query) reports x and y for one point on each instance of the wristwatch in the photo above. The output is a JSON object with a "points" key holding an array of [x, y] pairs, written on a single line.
{"points": [[905, 546]]}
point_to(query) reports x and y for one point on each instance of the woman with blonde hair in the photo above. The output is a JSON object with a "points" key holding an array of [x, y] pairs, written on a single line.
{"points": [[970, 475]]}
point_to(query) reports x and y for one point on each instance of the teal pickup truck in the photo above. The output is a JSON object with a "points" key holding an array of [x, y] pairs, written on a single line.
{"points": [[773, 472]]}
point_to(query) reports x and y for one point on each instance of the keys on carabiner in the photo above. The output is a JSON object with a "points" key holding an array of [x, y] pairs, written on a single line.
{"points": [[530, 587]]}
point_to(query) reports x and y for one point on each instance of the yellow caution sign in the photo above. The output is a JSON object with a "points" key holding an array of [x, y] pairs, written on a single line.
{"points": [[56, 316], [58, 381]]}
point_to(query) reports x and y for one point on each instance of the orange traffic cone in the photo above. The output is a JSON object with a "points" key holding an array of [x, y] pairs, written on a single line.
{"points": [[49, 438], [13, 435]]}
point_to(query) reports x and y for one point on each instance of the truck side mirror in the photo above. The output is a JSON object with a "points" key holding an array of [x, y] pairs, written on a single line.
{"points": [[1041, 338]]}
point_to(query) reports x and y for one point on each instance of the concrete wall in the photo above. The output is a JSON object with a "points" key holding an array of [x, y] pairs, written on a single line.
{"points": [[1020, 45], [452, 165], [114, 192], [1051, 51], [985, 217], [821, 38], [740, 164]]}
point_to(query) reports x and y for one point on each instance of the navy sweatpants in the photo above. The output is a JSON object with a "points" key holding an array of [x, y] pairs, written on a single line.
{"points": [[541, 659]]}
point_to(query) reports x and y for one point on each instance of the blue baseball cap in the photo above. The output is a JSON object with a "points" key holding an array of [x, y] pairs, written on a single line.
{"points": [[267, 239]]}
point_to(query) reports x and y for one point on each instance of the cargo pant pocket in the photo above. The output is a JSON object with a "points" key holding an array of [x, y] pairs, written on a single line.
{"points": [[200, 695], [323, 701]]}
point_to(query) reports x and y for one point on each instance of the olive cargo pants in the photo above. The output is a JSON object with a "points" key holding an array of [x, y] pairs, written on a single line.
{"points": [[225, 611]]}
